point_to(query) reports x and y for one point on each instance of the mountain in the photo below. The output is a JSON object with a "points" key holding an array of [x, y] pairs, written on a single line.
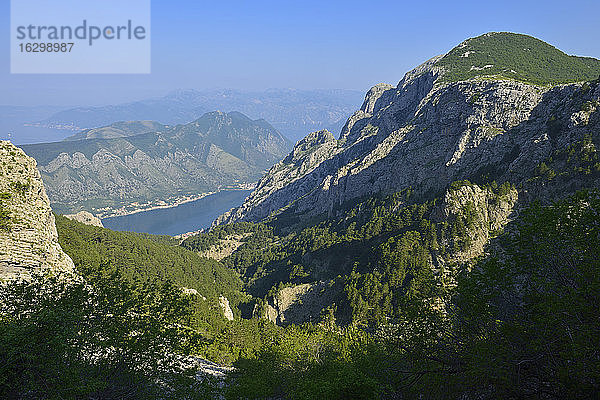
{"points": [[117, 317], [118, 129], [215, 151], [28, 238], [143, 257], [482, 112], [444, 246], [516, 57], [433, 170], [292, 112]]}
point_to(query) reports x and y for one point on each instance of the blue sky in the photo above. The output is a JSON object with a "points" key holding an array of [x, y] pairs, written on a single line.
{"points": [[301, 44]]}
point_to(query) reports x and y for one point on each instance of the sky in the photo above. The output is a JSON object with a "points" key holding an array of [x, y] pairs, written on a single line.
{"points": [[256, 45]]}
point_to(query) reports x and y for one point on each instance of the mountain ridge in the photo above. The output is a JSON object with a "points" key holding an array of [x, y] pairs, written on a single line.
{"points": [[118, 129], [214, 151], [426, 133]]}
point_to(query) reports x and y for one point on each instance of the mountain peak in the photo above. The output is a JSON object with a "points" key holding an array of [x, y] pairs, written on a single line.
{"points": [[219, 115], [197, 157], [493, 108], [316, 138], [515, 56]]}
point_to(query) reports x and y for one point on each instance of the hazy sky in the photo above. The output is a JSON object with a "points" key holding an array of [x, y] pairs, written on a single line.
{"points": [[301, 44]]}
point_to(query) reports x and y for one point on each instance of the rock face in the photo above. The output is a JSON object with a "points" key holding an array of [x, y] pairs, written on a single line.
{"points": [[488, 212], [216, 151], [425, 133], [28, 238], [87, 218], [300, 303], [227, 311]]}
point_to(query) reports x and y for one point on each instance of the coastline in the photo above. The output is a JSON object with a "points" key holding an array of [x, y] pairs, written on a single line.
{"points": [[186, 218], [110, 212]]}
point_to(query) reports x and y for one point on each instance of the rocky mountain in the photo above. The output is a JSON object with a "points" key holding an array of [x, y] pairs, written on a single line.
{"points": [[28, 238], [292, 112], [217, 150], [494, 108], [119, 129]]}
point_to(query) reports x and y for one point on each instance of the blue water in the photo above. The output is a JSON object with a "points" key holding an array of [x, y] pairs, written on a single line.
{"points": [[184, 218]]}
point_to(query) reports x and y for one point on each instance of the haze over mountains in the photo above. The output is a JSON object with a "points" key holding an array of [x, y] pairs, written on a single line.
{"points": [[13, 120], [118, 129], [215, 151], [292, 112]]}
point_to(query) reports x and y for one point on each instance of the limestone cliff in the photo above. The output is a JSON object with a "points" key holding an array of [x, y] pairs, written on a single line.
{"points": [[438, 126], [300, 303], [28, 238]]}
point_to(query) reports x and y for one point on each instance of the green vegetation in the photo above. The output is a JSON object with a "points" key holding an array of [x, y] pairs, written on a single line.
{"points": [[205, 241], [105, 338], [308, 362], [20, 188], [580, 161], [142, 259], [525, 326], [531, 319], [5, 215], [518, 57], [377, 252], [148, 258]]}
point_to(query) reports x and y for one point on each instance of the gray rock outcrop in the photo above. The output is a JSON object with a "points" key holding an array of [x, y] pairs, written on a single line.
{"points": [[28, 237], [87, 218], [227, 311], [300, 303]]}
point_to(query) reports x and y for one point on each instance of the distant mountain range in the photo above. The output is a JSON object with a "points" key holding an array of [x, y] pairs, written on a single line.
{"points": [[215, 151], [294, 113]]}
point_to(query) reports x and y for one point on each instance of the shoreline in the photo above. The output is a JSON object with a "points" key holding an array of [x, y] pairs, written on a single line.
{"points": [[121, 212], [177, 202]]}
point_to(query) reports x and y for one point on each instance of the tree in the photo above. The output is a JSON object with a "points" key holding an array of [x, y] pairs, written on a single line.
{"points": [[104, 338]]}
